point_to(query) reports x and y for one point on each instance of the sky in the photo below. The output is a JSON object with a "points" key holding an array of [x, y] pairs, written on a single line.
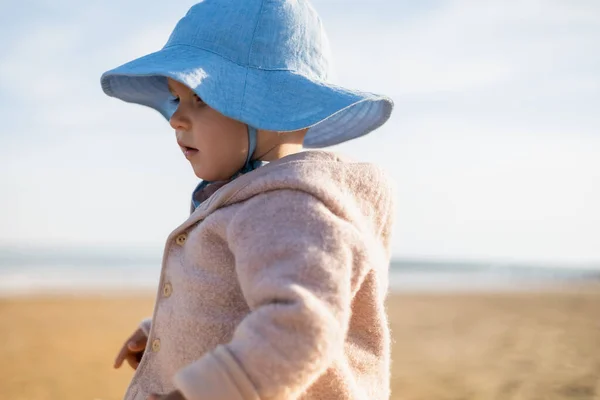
{"points": [[494, 142]]}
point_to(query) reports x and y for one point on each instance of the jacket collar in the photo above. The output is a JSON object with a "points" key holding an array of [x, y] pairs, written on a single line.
{"points": [[225, 195]]}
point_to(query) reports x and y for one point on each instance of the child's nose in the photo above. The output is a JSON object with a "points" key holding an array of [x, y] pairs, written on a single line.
{"points": [[178, 121]]}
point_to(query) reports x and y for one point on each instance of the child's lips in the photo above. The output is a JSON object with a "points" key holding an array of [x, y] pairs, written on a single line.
{"points": [[189, 151]]}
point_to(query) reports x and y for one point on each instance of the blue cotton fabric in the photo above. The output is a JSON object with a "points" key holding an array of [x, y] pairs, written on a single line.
{"points": [[263, 62]]}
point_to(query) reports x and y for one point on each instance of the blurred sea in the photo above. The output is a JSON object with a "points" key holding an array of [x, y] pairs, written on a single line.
{"points": [[39, 271]]}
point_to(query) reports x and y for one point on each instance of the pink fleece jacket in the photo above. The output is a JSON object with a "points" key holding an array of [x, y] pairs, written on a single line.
{"points": [[274, 288]]}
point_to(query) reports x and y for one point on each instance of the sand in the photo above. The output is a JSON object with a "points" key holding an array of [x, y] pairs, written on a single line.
{"points": [[446, 346]]}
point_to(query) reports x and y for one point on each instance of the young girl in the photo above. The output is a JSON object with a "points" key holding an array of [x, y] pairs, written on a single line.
{"points": [[274, 287]]}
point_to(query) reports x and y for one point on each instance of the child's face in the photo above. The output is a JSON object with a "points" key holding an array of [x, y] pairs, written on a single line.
{"points": [[215, 145]]}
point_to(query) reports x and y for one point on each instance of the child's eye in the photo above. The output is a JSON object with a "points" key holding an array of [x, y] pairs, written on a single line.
{"points": [[198, 99]]}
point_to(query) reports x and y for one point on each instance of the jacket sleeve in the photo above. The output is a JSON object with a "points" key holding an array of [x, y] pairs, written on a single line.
{"points": [[145, 325], [294, 261]]}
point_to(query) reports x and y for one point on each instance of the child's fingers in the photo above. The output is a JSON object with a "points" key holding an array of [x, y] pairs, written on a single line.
{"points": [[137, 344], [132, 361], [121, 356], [134, 345], [137, 341]]}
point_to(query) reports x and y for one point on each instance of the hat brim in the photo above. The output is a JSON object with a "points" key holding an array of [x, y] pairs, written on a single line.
{"points": [[278, 100]]}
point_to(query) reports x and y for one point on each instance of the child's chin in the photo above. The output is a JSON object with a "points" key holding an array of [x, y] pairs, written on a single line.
{"points": [[204, 175], [211, 175], [200, 173]]}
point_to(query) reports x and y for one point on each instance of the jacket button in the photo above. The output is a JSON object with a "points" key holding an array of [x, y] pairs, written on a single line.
{"points": [[180, 240], [156, 345], [167, 289]]}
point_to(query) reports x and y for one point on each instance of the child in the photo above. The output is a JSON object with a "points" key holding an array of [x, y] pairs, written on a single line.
{"points": [[274, 287]]}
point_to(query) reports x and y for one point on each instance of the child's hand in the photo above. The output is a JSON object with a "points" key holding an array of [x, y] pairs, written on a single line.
{"points": [[132, 350], [176, 395]]}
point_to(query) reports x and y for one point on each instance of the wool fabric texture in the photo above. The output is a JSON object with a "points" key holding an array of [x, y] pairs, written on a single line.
{"points": [[276, 287]]}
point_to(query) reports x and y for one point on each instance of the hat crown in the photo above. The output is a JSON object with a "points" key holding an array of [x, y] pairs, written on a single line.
{"points": [[263, 34]]}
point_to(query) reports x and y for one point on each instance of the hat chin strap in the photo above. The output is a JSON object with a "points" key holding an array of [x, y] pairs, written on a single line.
{"points": [[252, 142], [249, 165]]}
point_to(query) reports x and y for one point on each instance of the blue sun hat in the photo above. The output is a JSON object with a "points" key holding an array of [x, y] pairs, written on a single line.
{"points": [[265, 63], [262, 62]]}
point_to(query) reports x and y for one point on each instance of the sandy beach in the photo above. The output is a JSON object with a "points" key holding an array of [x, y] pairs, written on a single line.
{"points": [[446, 346]]}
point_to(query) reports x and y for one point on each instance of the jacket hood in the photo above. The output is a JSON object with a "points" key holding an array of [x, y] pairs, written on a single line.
{"points": [[361, 193]]}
